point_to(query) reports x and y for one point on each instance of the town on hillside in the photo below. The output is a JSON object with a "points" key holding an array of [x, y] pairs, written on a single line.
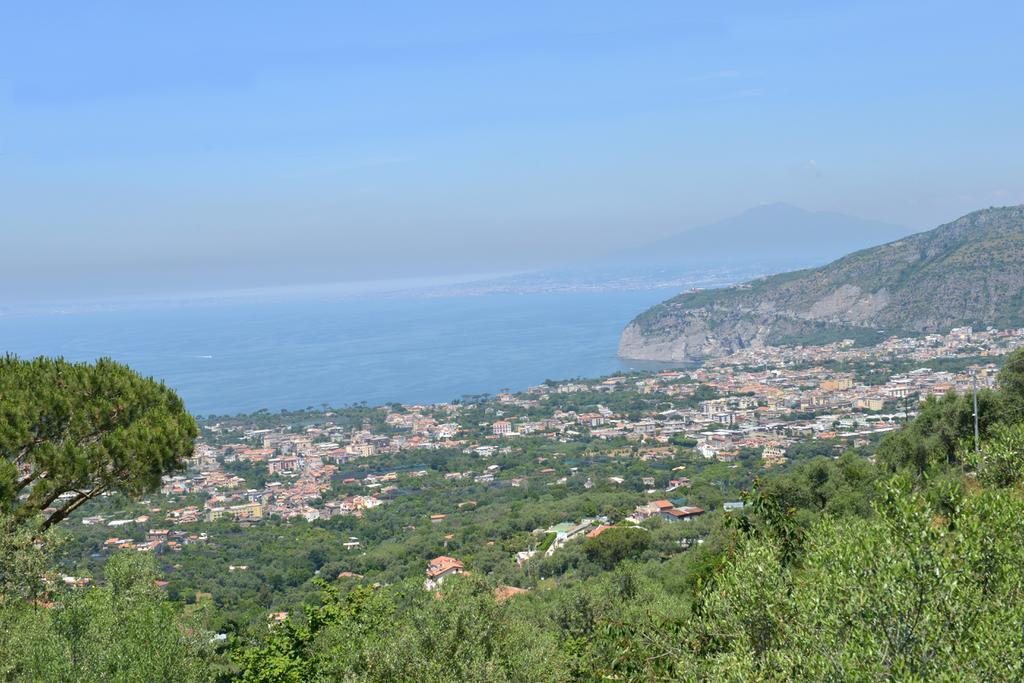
{"points": [[656, 449]]}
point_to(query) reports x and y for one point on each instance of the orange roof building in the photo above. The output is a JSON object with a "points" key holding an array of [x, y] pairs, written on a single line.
{"points": [[440, 567]]}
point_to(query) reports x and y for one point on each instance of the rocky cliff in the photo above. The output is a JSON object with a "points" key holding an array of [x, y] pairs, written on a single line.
{"points": [[968, 272]]}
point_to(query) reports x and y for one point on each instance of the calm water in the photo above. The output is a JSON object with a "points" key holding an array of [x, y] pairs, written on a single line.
{"points": [[240, 357]]}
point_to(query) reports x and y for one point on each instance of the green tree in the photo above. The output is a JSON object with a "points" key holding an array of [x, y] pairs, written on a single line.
{"points": [[1001, 462], [915, 593], [124, 631], [1011, 386], [404, 633], [617, 544], [25, 561], [936, 436], [72, 431]]}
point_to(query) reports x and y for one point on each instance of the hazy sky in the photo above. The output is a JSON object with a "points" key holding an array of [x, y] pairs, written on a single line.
{"points": [[179, 145]]}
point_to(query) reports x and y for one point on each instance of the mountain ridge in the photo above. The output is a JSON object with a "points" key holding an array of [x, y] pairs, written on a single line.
{"points": [[779, 234], [967, 271]]}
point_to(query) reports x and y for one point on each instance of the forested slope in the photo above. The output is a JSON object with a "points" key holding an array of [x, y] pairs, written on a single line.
{"points": [[906, 567]]}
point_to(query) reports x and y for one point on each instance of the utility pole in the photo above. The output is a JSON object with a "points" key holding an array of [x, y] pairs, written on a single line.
{"points": [[977, 445]]}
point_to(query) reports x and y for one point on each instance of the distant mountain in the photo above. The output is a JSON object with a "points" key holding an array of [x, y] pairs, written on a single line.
{"points": [[968, 272], [778, 234]]}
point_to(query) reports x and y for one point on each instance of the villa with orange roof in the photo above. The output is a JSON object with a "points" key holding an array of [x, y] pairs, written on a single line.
{"points": [[439, 568]]}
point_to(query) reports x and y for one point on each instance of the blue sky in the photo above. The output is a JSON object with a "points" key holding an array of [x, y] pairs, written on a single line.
{"points": [[195, 145]]}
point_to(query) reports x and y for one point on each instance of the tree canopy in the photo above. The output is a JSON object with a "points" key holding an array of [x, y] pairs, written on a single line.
{"points": [[943, 425], [123, 631], [72, 431]]}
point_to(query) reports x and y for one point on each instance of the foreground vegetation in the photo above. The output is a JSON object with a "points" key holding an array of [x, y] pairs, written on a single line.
{"points": [[904, 566]]}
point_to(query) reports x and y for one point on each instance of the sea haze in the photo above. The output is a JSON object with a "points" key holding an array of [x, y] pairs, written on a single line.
{"points": [[240, 355]]}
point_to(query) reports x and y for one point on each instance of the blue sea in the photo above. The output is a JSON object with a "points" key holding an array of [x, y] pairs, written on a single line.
{"points": [[226, 357]]}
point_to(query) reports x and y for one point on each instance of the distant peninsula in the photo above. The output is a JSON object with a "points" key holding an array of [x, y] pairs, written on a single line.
{"points": [[967, 272]]}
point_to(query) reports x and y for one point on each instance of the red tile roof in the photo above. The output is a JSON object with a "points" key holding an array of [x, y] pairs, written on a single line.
{"points": [[441, 565]]}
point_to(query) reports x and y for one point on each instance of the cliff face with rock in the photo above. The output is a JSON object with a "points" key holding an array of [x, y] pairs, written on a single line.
{"points": [[968, 272]]}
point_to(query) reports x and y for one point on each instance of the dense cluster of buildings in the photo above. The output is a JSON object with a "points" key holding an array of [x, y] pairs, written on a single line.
{"points": [[767, 398], [757, 401]]}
